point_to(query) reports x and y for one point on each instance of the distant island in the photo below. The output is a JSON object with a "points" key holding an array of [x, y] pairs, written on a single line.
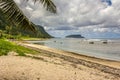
{"points": [[75, 36]]}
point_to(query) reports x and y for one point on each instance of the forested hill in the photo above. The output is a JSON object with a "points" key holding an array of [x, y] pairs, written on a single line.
{"points": [[7, 27], [40, 33]]}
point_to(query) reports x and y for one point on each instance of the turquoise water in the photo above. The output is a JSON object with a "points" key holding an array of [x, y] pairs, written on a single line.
{"points": [[109, 50]]}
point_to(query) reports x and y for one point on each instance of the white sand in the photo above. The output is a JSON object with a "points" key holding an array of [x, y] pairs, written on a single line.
{"points": [[21, 68], [52, 68]]}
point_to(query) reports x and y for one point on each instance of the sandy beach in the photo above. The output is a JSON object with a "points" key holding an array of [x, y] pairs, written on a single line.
{"points": [[53, 64]]}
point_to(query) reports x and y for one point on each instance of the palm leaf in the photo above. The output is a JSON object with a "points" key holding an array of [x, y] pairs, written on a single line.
{"points": [[15, 15], [48, 4]]}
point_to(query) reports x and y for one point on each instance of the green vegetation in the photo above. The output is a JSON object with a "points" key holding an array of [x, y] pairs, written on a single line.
{"points": [[6, 47], [40, 33], [15, 32], [14, 22], [15, 25], [16, 17]]}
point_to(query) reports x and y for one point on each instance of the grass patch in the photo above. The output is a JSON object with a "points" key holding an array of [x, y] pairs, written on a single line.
{"points": [[29, 38], [6, 47]]}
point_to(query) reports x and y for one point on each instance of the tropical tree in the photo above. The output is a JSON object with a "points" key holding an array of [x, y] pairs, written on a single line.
{"points": [[8, 29], [1, 33], [15, 15]]}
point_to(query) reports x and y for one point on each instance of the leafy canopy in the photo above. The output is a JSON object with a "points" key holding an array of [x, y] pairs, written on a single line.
{"points": [[15, 15]]}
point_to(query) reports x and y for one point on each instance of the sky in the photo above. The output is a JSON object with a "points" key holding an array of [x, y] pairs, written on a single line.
{"points": [[90, 18]]}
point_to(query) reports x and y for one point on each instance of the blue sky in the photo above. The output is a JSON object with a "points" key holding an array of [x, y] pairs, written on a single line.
{"points": [[90, 18], [109, 2]]}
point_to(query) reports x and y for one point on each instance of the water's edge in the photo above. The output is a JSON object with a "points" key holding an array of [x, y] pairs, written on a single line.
{"points": [[106, 49]]}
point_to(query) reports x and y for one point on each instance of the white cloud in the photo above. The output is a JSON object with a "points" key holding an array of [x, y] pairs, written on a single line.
{"points": [[101, 30], [75, 13]]}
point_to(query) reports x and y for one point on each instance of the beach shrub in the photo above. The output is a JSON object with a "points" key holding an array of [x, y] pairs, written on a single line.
{"points": [[7, 46]]}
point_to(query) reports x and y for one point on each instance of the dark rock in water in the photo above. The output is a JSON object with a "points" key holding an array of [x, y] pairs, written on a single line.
{"points": [[61, 42], [54, 41], [91, 42], [74, 36], [104, 42]]}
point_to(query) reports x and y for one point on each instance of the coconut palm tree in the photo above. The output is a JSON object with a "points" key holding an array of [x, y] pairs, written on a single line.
{"points": [[1, 33], [15, 15]]}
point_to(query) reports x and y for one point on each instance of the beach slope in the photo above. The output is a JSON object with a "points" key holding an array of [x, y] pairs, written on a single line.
{"points": [[52, 64]]}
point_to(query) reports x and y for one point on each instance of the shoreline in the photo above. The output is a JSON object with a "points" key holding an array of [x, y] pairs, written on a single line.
{"points": [[102, 51], [53, 64], [107, 66], [73, 54]]}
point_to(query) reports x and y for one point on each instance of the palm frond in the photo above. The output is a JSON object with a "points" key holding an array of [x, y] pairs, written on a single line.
{"points": [[48, 4], [15, 15]]}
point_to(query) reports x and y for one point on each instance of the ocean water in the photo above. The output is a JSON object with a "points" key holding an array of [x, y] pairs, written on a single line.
{"points": [[100, 48]]}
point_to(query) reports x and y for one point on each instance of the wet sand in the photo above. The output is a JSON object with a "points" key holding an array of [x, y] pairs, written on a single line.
{"points": [[53, 64]]}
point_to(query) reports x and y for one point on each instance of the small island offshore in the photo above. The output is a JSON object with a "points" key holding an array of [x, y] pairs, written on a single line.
{"points": [[75, 36]]}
